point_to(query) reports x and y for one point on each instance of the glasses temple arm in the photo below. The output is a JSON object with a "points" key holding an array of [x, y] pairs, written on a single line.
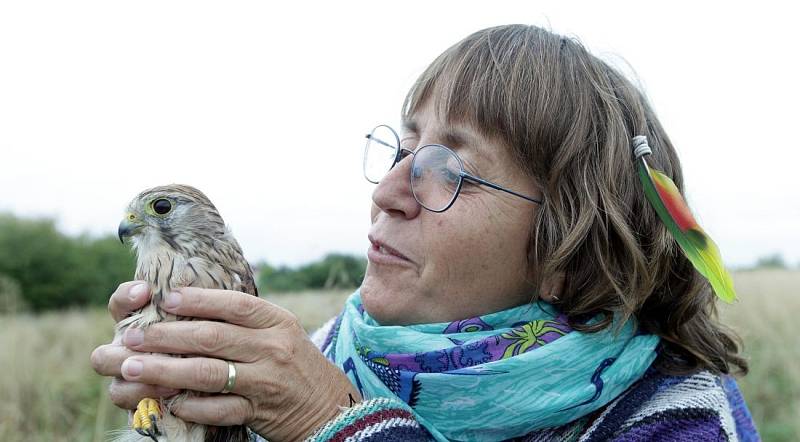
{"points": [[495, 186], [378, 140]]}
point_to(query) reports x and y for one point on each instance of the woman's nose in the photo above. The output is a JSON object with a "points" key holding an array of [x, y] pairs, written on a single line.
{"points": [[393, 194]]}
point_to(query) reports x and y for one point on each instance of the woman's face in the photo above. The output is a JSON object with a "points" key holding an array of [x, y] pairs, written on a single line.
{"points": [[467, 261]]}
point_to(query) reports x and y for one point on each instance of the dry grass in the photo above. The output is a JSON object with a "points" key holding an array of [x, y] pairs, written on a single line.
{"points": [[767, 317], [49, 392], [312, 309]]}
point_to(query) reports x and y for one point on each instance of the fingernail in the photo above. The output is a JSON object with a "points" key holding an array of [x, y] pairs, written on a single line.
{"points": [[131, 368], [172, 300], [137, 292], [133, 337]]}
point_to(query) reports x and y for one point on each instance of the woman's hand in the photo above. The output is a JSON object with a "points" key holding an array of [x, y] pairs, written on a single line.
{"points": [[107, 359], [285, 387]]}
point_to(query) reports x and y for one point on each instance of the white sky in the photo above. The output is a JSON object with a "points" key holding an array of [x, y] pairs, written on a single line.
{"points": [[264, 106]]}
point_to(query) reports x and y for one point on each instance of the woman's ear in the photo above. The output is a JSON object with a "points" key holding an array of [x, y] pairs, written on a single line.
{"points": [[552, 287]]}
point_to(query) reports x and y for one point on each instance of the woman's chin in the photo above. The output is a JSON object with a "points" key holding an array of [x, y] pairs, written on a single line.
{"points": [[383, 303]]}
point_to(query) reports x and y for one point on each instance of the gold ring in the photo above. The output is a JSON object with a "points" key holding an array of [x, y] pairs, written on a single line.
{"points": [[231, 378]]}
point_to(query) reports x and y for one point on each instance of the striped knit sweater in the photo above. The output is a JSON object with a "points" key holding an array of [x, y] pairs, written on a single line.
{"points": [[698, 407]]}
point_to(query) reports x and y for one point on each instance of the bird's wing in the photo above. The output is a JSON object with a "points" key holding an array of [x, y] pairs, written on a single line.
{"points": [[248, 283], [202, 272]]}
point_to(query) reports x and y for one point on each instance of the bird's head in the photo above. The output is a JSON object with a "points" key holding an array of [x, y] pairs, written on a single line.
{"points": [[175, 215]]}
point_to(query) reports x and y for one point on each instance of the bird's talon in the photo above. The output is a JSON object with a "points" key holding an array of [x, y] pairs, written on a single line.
{"points": [[145, 418]]}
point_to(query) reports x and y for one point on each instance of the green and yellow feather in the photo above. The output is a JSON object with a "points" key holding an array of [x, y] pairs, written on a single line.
{"points": [[664, 196]]}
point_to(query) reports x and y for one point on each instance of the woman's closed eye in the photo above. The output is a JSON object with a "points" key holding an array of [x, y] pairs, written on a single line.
{"points": [[449, 175], [409, 142], [416, 172]]}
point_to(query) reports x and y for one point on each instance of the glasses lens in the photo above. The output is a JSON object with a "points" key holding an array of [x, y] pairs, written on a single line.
{"points": [[435, 176], [380, 152]]}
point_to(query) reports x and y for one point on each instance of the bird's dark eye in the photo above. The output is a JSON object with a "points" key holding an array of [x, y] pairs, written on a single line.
{"points": [[162, 206]]}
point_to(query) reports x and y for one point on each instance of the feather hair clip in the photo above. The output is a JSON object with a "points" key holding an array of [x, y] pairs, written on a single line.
{"points": [[664, 196]]}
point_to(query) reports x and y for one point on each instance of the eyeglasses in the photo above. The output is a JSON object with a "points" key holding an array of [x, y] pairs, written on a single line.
{"points": [[437, 173]]}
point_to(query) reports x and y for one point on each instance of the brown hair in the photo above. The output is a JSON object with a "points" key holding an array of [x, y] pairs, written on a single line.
{"points": [[568, 119]]}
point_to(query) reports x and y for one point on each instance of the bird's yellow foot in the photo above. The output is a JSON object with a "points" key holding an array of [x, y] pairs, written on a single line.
{"points": [[145, 418]]}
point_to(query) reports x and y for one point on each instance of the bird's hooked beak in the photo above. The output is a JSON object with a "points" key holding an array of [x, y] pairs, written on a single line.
{"points": [[128, 227]]}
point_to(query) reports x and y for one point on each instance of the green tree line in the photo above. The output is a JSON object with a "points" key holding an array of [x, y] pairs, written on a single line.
{"points": [[42, 268], [333, 271]]}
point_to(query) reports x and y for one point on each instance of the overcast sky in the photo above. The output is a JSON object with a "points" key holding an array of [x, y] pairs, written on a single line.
{"points": [[264, 107]]}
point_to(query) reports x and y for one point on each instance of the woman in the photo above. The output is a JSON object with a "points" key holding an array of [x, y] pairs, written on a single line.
{"points": [[519, 283]]}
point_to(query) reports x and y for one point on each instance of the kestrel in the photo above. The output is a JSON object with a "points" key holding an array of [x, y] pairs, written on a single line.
{"points": [[180, 240]]}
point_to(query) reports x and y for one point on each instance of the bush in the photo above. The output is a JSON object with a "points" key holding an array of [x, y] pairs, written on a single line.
{"points": [[56, 271], [774, 261], [334, 271]]}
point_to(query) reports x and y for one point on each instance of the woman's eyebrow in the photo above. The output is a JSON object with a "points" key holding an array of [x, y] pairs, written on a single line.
{"points": [[461, 140], [410, 125], [452, 137]]}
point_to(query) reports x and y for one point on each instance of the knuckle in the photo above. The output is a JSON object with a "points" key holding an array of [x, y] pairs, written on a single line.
{"points": [[241, 413], [283, 352], [287, 320], [244, 307], [219, 414], [267, 386], [249, 412], [294, 323], [154, 335], [209, 339], [208, 375]]}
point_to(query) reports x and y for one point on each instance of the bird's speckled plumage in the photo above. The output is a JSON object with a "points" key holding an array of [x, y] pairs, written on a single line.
{"points": [[187, 246]]}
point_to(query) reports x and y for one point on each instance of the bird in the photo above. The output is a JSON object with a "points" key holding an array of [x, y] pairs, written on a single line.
{"points": [[180, 240]]}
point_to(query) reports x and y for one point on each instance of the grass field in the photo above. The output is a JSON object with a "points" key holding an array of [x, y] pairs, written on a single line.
{"points": [[49, 392]]}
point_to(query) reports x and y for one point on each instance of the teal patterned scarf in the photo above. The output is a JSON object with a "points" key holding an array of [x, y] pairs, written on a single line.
{"points": [[491, 377]]}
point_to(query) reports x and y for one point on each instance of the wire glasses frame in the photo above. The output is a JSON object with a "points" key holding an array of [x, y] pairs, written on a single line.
{"points": [[445, 154]]}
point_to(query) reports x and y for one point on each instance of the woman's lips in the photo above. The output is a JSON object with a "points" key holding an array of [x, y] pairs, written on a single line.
{"points": [[380, 253]]}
